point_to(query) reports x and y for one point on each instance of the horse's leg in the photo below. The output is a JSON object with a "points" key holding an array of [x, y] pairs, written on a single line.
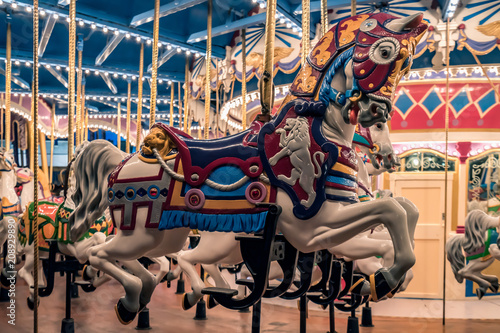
{"points": [[473, 272], [3, 233], [495, 251], [369, 266], [363, 247], [214, 272], [412, 215], [334, 224], [25, 271], [164, 267], [292, 179], [213, 248], [148, 280]]}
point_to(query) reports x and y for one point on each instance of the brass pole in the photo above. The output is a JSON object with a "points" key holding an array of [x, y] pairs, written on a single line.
{"points": [[353, 7], [217, 101], [324, 17], [86, 124], [305, 30], [31, 137], [71, 77], [180, 104], [244, 79], [52, 130], [78, 100], [208, 63], [172, 86], [446, 127], [34, 96], [8, 78], [154, 64], [186, 95], [119, 127], [81, 120], [267, 90], [43, 151], [139, 97], [127, 129]]}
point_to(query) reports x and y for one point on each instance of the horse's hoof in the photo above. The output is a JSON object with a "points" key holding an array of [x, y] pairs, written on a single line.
{"points": [[186, 305], [358, 286], [85, 275], [494, 287], [31, 304], [480, 293], [124, 316], [142, 306], [88, 288], [170, 276], [4, 283], [379, 286], [211, 302]]}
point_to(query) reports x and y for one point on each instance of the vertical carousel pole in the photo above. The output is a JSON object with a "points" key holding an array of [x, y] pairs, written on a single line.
{"points": [[324, 17], [86, 131], [305, 31], [172, 86], [78, 124], [208, 66], [82, 111], [244, 79], [127, 129], [139, 98], [8, 78], [186, 95], [446, 127], [34, 96], [119, 127], [71, 77], [52, 129], [217, 101], [267, 89], [179, 108], [154, 64]]}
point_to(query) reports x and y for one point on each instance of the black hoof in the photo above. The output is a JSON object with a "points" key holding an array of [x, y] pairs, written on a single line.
{"points": [[211, 303], [494, 287], [124, 316], [379, 286], [31, 304], [88, 288], [185, 303], [357, 285], [480, 293], [170, 276], [3, 281]]}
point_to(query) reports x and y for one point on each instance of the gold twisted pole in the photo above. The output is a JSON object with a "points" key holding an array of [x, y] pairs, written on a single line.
{"points": [[83, 128], [186, 95], [208, 66], [217, 101], [267, 90], [446, 127], [180, 104], [154, 64], [78, 100], [244, 78], [139, 98], [52, 130], [324, 17], [71, 77], [86, 125], [34, 94], [119, 126], [127, 129], [305, 30], [8, 78], [172, 86], [353, 7]]}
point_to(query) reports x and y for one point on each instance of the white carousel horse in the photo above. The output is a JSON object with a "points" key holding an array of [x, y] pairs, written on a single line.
{"points": [[25, 179], [147, 226], [481, 249]]}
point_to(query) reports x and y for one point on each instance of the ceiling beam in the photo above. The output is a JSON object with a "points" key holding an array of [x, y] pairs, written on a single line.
{"points": [[331, 4], [110, 47], [63, 3], [284, 8], [58, 75], [167, 9], [229, 27], [109, 82], [90, 16], [17, 80], [47, 31], [166, 55]]}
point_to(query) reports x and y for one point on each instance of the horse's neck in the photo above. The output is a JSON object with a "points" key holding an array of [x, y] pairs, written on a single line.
{"points": [[334, 127], [7, 186], [27, 192]]}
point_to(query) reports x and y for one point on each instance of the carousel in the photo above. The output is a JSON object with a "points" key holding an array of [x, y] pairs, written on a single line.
{"points": [[250, 166]]}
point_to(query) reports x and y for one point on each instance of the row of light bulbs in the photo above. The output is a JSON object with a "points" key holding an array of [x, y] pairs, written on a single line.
{"points": [[468, 71], [281, 18], [105, 29], [440, 147]]}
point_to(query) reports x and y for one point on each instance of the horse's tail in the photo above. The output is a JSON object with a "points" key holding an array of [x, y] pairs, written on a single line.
{"points": [[455, 256], [317, 169], [91, 169]]}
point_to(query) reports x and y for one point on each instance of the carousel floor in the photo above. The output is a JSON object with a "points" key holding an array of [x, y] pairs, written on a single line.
{"points": [[94, 313]]}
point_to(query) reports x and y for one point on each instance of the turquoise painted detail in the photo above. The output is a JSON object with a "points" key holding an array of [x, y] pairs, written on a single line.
{"points": [[358, 139], [341, 181]]}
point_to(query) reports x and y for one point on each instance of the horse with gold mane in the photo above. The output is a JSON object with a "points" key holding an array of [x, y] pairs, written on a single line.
{"points": [[176, 183]]}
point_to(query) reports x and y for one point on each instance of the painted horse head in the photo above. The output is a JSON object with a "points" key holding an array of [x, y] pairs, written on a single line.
{"points": [[374, 52], [375, 142], [7, 162]]}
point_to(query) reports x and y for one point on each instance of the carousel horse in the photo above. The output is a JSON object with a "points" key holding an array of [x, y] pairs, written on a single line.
{"points": [[481, 246], [25, 179], [301, 161]]}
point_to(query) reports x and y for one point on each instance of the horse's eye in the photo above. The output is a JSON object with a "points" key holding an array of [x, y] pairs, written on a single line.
{"points": [[384, 53], [379, 126]]}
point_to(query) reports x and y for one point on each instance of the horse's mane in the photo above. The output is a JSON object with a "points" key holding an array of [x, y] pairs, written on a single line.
{"points": [[475, 229]]}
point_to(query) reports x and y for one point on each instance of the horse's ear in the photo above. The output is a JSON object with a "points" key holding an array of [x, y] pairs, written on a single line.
{"points": [[405, 23]]}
